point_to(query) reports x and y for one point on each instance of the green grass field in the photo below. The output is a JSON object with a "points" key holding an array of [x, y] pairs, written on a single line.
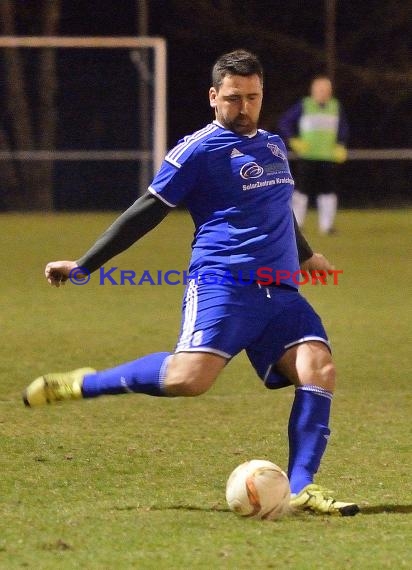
{"points": [[138, 482]]}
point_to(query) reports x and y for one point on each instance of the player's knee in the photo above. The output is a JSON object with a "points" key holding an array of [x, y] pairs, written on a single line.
{"points": [[178, 384], [192, 374], [325, 377]]}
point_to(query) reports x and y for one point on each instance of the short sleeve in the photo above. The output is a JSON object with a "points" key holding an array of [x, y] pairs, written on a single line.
{"points": [[175, 180]]}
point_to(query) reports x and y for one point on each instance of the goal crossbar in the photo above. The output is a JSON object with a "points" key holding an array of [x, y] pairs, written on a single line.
{"points": [[81, 42]]}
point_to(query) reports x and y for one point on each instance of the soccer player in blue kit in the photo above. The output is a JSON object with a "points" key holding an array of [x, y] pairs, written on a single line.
{"points": [[235, 181]]}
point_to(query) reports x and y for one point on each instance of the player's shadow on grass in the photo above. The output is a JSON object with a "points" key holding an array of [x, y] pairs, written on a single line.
{"points": [[390, 509], [372, 510], [213, 508]]}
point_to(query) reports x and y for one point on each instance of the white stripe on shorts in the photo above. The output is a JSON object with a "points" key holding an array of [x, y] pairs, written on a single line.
{"points": [[189, 319], [307, 339], [206, 349]]}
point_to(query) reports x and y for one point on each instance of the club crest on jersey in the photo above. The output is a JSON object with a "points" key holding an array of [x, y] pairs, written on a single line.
{"points": [[251, 170], [276, 151]]}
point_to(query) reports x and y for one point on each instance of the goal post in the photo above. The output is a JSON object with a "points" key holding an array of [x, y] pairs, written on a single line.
{"points": [[157, 75]]}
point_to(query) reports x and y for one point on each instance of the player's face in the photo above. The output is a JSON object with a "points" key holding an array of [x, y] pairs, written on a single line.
{"points": [[237, 103], [321, 90]]}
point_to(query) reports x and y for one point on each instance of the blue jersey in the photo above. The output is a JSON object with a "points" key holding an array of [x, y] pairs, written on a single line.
{"points": [[238, 191]]}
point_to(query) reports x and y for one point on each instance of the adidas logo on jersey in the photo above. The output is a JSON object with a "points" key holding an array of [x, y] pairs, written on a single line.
{"points": [[235, 153]]}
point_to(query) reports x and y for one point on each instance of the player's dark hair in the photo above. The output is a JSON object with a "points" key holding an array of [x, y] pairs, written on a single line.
{"points": [[238, 62]]}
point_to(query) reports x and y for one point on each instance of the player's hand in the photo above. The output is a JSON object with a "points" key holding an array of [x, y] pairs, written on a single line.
{"points": [[58, 272], [298, 145], [340, 154], [319, 264]]}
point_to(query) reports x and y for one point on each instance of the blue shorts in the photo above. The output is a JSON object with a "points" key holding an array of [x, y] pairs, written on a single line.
{"points": [[225, 319]]}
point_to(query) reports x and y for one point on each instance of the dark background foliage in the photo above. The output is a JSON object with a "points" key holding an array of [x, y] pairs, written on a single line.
{"points": [[373, 81]]}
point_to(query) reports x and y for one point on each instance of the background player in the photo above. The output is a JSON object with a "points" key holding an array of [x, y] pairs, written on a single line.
{"points": [[316, 129], [236, 183]]}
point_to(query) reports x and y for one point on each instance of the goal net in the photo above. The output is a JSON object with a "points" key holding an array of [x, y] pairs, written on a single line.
{"points": [[83, 124]]}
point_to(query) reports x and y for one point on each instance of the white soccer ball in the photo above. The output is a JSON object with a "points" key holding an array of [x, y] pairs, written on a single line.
{"points": [[258, 489]]}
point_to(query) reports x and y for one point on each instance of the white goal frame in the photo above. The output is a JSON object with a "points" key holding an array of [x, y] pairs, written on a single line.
{"points": [[125, 42]]}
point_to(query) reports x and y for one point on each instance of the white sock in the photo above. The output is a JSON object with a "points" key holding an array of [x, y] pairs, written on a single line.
{"points": [[299, 206], [327, 206]]}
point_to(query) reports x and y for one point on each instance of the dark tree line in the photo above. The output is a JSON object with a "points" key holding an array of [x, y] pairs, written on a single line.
{"points": [[373, 61], [28, 110]]}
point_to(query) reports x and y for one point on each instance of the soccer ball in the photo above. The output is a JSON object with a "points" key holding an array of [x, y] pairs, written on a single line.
{"points": [[258, 489]]}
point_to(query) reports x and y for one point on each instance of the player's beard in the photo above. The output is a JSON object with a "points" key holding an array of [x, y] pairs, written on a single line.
{"points": [[242, 125]]}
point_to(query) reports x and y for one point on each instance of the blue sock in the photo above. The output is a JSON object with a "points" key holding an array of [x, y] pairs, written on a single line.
{"points": [[308, 434], [144, 376]]}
